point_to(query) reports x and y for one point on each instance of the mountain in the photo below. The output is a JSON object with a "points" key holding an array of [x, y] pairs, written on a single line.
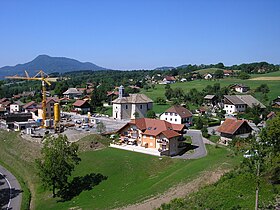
{"points": [[164, 68], [48, 64]]}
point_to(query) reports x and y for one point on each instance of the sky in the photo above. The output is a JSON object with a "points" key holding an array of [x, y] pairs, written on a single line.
{"points": [[141, 34]]}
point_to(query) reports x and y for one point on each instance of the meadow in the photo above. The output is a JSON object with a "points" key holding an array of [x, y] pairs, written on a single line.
{"points": [[131, 177], [273, 85]]}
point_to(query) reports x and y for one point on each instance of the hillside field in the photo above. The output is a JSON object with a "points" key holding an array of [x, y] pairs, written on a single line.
{"points": [[131, 177], [273, 85]]}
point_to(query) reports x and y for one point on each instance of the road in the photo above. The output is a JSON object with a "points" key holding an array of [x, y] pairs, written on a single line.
{"points": [[10, 191], [197, 141]]}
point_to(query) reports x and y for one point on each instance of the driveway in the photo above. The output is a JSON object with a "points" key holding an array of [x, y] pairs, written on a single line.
{"points": [[197, 140], [10, 191]]}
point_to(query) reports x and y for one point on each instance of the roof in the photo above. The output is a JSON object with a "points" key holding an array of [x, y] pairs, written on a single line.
{"points": [[72, 91], [271, 114], [49, 99], [133, 99], [79, 103], [228, 71], [234, 99], [240, 85], [250, 100], [19, 103], [231, 125], [27, 105], [155, 127], [170, 78], [209, 97], [181, 111]]}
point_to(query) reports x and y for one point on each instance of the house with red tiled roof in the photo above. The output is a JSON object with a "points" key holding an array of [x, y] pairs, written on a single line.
{"points": [[177, 115], [81, 106], [232, 128], [154, 134], [168, 80]]}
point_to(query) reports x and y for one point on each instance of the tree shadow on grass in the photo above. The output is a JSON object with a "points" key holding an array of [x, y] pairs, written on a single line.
{"points": [[80, 184]]}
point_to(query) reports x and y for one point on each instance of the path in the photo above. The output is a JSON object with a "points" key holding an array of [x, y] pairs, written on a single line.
{"points": [[197, 140], [10, 191], [179, 191]]}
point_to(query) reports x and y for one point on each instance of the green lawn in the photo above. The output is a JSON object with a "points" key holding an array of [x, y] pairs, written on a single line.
{"points": [[274, 86], [133, 177], [235, 190]]}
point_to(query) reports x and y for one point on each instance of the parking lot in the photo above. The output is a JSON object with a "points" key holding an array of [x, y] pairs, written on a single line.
{"points": [[77, 126]]}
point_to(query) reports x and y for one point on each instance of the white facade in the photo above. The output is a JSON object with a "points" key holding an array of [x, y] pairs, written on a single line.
{"points": [[128, 110], [14, 108], [171, 117], [208, 76], [231, 109]]}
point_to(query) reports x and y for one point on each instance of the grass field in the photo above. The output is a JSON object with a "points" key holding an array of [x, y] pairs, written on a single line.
{"points": [[273, 85], [132, 177], [238, 190]]}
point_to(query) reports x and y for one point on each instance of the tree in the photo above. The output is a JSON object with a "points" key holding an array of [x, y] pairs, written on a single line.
{"points": [[263, 88], [219, 73], [199, 123], [243, 75], [101, 128], [58, 160], [151, 114], [160, 100]]}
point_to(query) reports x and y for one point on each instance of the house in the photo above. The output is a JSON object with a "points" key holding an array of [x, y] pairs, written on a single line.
{"points": [[15, 108], [72, 93], [177, 115], [276, 103], [81, 106], [131, 106], [239, 103], [240, 88], [210, 100], [111, 95], [271, 115], [9, 120], [155, 134], [49, 108], [169, 80], [232, 128], [208, 76], [228, 73], [30, 106], [183, 80]]}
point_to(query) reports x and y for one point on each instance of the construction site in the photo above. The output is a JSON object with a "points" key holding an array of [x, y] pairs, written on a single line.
{"points": [[35, 120]]}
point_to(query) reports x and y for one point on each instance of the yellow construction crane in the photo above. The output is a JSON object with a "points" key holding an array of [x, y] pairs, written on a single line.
{"points": [[41, 76]]}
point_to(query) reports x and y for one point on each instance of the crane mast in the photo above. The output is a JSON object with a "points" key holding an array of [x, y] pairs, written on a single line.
{"points": [[40, 76]]}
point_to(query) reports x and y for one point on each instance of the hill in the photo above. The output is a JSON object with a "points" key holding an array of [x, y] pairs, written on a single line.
{"points": [[164, 68], [49, 64]]}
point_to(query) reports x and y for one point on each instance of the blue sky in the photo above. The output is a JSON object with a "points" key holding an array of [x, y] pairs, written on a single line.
{"points": [[143, 34]]}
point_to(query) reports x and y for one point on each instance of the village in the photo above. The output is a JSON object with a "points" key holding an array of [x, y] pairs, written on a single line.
{"points": [[132, 124]]}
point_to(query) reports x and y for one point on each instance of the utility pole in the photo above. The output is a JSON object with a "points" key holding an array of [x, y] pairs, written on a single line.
{"points": [[257, 185]]}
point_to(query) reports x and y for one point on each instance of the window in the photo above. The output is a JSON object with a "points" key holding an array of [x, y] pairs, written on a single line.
{"points": [[166, 113], [171, 114], [126, 107], [140, 106], [175, 120], [166, 118], [226, 106], [176, 114], [170, 119]]}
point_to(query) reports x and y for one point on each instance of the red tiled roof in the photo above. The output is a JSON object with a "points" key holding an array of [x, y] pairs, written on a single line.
{"points": [[181, 111], [26, 106], [170, 78], [154, 127], [79, 103], [170, 133], [231, 125]]}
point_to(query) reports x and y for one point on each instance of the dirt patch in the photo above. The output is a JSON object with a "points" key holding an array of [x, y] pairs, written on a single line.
{"points": [[266, 78], [88, 146], [179, 191]]}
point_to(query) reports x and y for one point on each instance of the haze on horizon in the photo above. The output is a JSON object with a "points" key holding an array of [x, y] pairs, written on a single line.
{"points": [[141, 34]]}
